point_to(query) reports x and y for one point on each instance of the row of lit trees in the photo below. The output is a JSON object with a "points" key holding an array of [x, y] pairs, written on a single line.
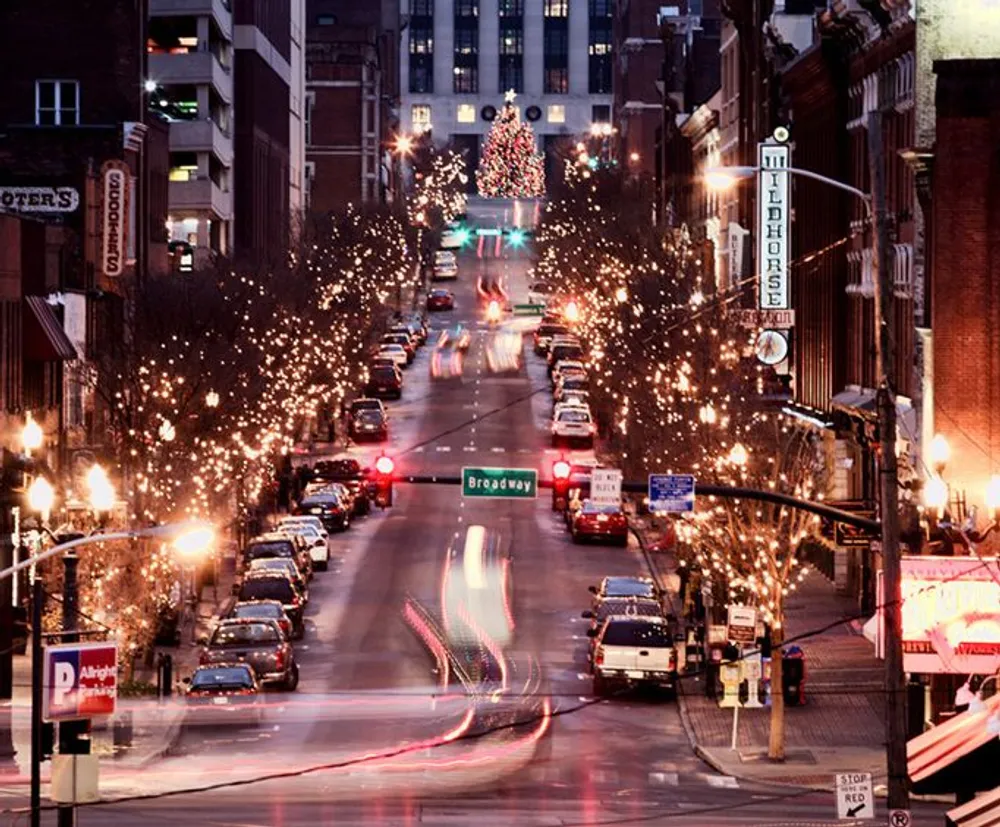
{"points": [[679, 392], [222, 372]]}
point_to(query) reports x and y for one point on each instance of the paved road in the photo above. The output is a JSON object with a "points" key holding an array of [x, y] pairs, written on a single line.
{"points": [[367, 681]]}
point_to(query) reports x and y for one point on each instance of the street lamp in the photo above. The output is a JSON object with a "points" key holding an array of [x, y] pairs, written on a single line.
{"points": [[101, 491], [32, 435], [41, 496], [940, 453], [725, 178], [738, 455], [936, 496]]}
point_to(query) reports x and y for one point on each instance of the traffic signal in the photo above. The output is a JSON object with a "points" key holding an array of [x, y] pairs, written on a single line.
{"points": [[515, 237], [560, 484], [463, 236], [384, 466]]}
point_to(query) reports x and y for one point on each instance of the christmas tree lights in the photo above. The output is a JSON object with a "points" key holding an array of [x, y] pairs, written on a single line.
{"points": [[511, 166]]}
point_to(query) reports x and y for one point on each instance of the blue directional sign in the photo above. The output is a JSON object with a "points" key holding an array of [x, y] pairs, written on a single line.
{"points": [[671, 493]]}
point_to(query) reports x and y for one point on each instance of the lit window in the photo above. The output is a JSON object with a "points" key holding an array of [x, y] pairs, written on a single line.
{"points": [[57, 103], [557, 8], [420, 117], [557, 113], [466, 113], [184, 173]]}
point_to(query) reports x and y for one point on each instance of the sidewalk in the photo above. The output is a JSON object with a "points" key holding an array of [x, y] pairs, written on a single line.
{"points": [[842, 725]]}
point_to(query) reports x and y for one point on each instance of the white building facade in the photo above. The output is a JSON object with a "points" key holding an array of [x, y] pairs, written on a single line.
{"points": [[459, 57], [297, 117]]}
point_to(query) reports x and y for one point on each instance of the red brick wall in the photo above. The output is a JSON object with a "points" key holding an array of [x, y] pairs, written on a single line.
{"points": [[965, 293]]}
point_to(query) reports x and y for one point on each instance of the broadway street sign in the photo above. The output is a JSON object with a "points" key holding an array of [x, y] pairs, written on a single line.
{"points": [[500, 483]]}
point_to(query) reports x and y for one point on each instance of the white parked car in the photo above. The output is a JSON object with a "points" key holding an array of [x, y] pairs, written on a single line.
{"points": [[573, 424], [453, 238], [567, 366], [395, 352], [319, 551], [444, 272], [444, 257], [307, 519]]}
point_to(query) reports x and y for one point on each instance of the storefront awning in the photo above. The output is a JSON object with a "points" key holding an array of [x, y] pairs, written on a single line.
{"points": [[982, 811], [44, 337], [856, 401], [959, 754]]}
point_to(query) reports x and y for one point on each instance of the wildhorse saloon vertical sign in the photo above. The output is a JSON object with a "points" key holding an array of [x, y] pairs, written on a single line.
{"points": [[115, 178]]}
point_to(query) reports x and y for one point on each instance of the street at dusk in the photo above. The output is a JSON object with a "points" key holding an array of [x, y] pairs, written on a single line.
{"points": [[531, 413]]}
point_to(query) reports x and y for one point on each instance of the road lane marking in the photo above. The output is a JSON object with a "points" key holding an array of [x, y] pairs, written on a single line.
{"points": [[498, 450], [443, 448], [469, 449]]}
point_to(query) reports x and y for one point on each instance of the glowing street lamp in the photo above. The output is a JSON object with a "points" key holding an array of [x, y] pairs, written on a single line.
{"points": [[404, 144], [32, 435], [738, 455], [102, 492], [571, 312], [940, 453], [936, 495], [212, 399], [195, 541], [41, 497]]}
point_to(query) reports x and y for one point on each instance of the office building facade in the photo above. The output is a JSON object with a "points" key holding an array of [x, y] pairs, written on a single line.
{"points": [[459, 57]]}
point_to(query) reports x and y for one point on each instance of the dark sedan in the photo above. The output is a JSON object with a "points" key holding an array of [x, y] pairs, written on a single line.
{"points": [[369, 425], [440, 300], [385, 382], [348, 472], [226, 694]]}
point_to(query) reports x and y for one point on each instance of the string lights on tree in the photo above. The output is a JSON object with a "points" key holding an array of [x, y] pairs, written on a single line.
{"points": [[511, 165]]}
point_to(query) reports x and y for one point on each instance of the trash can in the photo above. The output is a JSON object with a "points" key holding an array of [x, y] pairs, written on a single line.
{"points": [[793, 676]]}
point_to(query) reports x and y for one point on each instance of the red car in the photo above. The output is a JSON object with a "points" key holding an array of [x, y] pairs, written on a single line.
{"points": [[603, 522], [440, 300]]}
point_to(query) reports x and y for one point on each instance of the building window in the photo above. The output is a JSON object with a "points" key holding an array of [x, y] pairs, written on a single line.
{"points": [[421, 8], [599, 47], [421, 41], [466, 8], [512, 42], [511, 77], [420, 117], [556, 81], [57, 103], [326, 20], [310, 177], [466, 113], [466, 41], [308, 125], [421, 46], [556, 8], [600, 113], [557, 113], [511, 8], [556, 55], [466, 80]]}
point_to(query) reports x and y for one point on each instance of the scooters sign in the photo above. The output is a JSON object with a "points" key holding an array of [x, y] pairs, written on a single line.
{"points": [[80, 681]]}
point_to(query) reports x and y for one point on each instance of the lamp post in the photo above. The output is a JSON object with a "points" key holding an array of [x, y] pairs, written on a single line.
{"points": [[895, 680]]}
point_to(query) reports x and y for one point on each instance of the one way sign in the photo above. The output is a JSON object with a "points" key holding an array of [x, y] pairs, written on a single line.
{"points": [[854, 795]]}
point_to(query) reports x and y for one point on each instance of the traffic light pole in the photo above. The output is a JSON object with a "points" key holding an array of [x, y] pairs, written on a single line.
{"points": [[724, 491], [70, 742]]}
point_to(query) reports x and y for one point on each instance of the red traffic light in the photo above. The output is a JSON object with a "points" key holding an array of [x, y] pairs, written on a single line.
{"points": [[560, 470], [384, 465]]}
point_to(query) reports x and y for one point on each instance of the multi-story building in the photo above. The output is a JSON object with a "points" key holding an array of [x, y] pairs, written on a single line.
{"points": [[190, 83], [83, 179], [230, 80], [353, 102], [297, 194], [459, 57]]}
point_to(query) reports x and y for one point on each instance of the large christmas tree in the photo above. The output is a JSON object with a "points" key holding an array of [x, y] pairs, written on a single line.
{"points": [[511, 166]]}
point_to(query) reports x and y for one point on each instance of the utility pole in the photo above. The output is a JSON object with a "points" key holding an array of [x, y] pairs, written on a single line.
{"points": [[895, 682], [74, 737], [37, 606]]}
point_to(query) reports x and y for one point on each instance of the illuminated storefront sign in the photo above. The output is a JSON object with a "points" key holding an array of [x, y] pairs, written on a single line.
{"points": [[115, 217], [773, 215], [951, 615]]}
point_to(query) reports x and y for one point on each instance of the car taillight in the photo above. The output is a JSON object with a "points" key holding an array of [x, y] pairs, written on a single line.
{"points": [[673, 660], [279, 660], [599, 656]]}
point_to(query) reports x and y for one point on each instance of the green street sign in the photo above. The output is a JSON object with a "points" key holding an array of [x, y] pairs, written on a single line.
{"points": [[529, 309], [500, 483]]}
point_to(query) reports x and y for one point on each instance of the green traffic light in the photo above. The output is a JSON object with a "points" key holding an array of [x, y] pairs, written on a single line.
{"points": [[463, 236], [515, 238]]}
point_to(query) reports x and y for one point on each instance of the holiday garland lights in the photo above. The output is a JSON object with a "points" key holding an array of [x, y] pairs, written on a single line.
{"points": [[511, 166]]}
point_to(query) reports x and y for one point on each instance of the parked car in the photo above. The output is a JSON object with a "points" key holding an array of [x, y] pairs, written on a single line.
{"points": [[315, 536], [261, 610], [573, 424], [223, 694], [267, 585], [332, 506], [544, 333], [396, 352], [621, 606], [624, 586], [279, 544], [603, 522], [365, 403], [402, 339], [385, 382], [440, 299], [288, 567], [259, 643], [540, 292], [369, 425], [347, 471], [633, 651]]}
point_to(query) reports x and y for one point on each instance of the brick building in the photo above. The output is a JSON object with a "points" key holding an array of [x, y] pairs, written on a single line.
{"points": [[85, 167], [352, 57]]}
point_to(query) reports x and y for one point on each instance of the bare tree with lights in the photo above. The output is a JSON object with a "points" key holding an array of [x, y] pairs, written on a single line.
{"points": [[674, 381]]}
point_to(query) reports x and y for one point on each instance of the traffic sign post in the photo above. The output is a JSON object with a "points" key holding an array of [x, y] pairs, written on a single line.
{"points": [[741, 627], [855, 799], [500, 483], [900, 818], [606, 486], [80, 681], [529, 309], [671, 493]]}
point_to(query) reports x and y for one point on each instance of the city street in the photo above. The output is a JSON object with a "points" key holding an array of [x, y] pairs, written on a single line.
{"points": [[367, 685]]}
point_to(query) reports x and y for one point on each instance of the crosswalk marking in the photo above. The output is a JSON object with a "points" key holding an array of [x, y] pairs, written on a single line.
{"points": [[443, 448], [498, 450]]}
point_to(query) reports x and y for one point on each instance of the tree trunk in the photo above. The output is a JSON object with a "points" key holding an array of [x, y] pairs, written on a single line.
{"points": [[776, 741]]}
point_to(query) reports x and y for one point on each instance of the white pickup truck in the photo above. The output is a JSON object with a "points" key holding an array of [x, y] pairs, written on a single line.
{"points": [[631, 651]]}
